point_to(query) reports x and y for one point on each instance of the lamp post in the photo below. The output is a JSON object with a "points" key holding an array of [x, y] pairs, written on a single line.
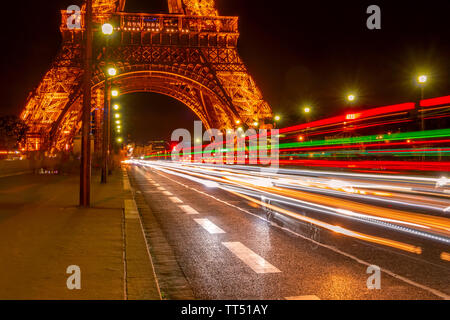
{"points": [[85, 170], [106, 125], [422, 80], [107, 30], [276, 120], [307, 112]]}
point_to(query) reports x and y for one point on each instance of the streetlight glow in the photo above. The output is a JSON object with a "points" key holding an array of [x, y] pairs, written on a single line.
{"points": [[255, 123], [116, 107], [119, 140], [112, 71], [115, 93], [107, 29], [117, 115], [422, 79], [351, 97], [277, 118], [307, 109]]}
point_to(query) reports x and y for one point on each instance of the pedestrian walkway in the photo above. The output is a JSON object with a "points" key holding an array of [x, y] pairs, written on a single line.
{"points": [[43, 232]]}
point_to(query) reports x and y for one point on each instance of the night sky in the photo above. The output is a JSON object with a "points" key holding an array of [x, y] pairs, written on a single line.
{"points": [[299, 52]]}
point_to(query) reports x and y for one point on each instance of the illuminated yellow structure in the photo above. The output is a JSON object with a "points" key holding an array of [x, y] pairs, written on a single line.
{"points": [[189, 54]]}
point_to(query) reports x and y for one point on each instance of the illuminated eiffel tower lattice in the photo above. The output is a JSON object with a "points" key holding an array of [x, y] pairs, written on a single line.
{"points": [[189, 54]]}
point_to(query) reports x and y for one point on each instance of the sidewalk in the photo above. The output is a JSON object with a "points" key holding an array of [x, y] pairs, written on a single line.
{"points": [[43, 232]]}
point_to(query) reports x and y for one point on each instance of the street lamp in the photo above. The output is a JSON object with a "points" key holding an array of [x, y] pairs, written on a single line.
{"points": [[351, 97], [112, 71], [307, 110], [107, 29], [277, 118], [116, 107], [422, 79]]}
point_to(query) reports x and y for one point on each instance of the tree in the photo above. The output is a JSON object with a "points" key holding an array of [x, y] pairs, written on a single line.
{"points": [[12, 131]]}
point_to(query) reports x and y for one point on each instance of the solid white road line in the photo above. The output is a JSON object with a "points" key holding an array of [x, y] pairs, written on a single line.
{"points": [[254, 261], [311, 297], [175, 200], [209, 226], [189, 209]]}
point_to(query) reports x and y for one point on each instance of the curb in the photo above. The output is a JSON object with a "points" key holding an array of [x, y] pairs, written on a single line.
{"points": [[140, 282]]}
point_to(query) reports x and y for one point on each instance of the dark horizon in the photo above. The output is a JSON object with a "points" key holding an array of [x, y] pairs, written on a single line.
{"points": [[311, 53]]}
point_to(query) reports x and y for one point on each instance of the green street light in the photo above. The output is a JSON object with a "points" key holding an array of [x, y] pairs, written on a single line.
{"points": [[107, 29]]}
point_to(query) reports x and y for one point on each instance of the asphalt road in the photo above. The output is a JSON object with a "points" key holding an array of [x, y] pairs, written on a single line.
{"points": [[228, 249]]}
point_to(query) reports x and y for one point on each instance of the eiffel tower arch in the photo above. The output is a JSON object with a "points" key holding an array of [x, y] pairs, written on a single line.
{"points": [[189, 54]]}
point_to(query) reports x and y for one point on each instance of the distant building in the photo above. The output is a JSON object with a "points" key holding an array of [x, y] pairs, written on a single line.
{"points": [[151, 149]]}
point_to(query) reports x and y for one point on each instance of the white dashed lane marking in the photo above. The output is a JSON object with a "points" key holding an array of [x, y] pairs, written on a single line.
{"points": [[167, 193], [189, 209], [250, 258], [175, 200], [354, 258], [209, 226]]}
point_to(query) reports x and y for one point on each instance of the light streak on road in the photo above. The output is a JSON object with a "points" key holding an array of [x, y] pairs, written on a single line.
{"points": [[401, 204]]}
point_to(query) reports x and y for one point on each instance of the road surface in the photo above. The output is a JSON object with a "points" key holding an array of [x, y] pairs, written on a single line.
{"points": [[237, 233]]}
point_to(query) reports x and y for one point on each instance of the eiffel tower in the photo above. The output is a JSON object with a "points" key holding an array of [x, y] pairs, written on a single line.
{"points": [[189, 54]]}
